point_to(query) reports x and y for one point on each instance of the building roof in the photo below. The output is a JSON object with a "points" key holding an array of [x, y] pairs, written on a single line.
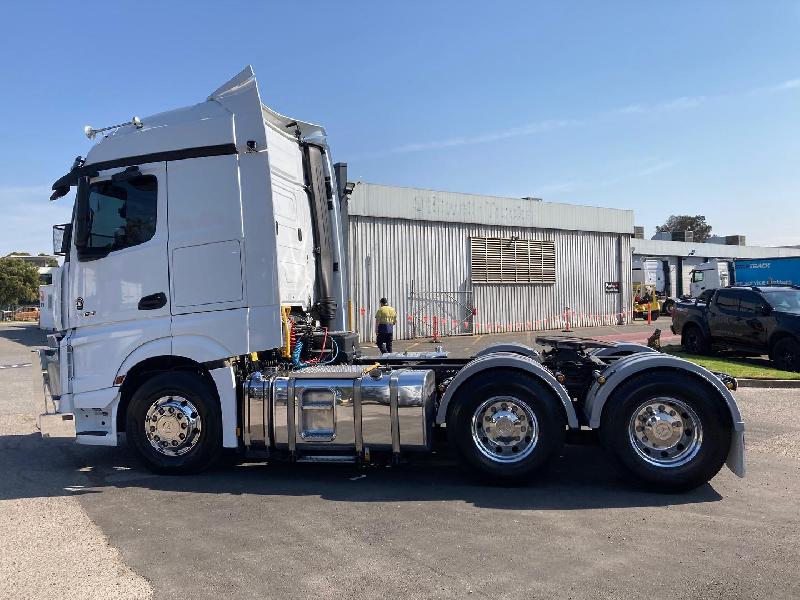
{"points": [[373, 200], [641, 247]]}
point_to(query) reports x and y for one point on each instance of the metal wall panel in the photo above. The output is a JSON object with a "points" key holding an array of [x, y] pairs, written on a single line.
{"points": [[395, 257]]}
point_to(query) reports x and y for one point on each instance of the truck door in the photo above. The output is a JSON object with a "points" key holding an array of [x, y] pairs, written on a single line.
{"points": [[751, 324], [119, 287], [722, 314]]}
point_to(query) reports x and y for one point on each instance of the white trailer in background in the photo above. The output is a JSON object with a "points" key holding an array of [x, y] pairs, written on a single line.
{"points": [[50, 299], [661, 275], [204, 302]]}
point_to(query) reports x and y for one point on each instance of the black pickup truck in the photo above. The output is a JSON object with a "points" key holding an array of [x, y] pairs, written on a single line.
{"points": [[756, 320]]}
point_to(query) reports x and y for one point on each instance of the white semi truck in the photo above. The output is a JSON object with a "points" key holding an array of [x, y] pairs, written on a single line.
{"points": [[203, 307]]}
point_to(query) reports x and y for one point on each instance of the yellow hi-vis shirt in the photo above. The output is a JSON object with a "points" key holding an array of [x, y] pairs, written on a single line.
{"points": [[386, 315]]}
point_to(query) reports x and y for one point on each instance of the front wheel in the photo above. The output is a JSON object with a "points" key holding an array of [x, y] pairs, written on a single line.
{"points": [[669, 432], [506, 425], [786, 355], [174, 423], [694, 341]]}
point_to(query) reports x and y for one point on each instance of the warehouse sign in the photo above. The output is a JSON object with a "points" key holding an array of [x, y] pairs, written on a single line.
{"points": [[613, 287]]}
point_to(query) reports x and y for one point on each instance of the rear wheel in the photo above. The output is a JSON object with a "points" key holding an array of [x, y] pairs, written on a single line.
{"points": [[694, 340], [654, 314], [669, 306], [786, 355], [506, 425], [174, 423], [670, 434]]}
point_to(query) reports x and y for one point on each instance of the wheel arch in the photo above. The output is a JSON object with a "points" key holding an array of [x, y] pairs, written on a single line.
{"points": [[637, 364], [779, 335], [507, 360], [695, 322], [510, 348], [140, 372]]}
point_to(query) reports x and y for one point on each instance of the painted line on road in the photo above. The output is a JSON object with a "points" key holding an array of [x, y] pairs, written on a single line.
{"points": [[19, 366]]}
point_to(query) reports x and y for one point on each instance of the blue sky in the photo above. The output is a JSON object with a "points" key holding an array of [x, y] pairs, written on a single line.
{"points": [[679, 107]]}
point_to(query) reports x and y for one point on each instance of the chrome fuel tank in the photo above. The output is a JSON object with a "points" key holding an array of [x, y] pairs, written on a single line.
{"points": [[340, 407]]}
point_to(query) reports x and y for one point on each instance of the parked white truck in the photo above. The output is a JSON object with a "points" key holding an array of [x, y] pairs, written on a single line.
{"points": [[203, 307], [710, 275]]}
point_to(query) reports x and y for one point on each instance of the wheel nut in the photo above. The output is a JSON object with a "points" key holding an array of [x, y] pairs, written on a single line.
{"points": [[156, 438], [174, 442], [183, 425], [171, 410], [182, 436], [152, 428]]}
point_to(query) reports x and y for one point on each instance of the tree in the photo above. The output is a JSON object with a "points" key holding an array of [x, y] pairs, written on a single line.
{"points": [[697, 224], [19, 282]]}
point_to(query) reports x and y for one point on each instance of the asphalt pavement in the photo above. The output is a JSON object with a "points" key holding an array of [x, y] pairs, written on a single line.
{"points": [[90, 522]]}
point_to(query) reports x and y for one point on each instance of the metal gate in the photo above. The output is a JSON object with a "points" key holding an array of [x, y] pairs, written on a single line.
{"points": [[441, 313]]}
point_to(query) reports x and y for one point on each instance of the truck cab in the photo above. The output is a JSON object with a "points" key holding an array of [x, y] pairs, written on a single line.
{"points": [[171, 254], [710, 275]]}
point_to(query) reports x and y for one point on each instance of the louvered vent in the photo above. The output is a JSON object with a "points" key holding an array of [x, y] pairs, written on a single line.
{"points": [[505, 260]]}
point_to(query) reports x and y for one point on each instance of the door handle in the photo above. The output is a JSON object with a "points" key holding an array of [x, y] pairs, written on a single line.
{"points": [[153, 301]]}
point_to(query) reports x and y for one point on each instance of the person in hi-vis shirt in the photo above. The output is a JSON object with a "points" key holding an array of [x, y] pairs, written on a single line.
{"points": [[385, 320]]}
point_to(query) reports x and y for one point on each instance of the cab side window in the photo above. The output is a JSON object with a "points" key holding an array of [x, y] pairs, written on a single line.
{"points": [[750, 303], [122, 213], [728, 301]]}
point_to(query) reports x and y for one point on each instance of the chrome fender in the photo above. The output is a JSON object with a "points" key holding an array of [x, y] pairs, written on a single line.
{"points": [[511, 348], [507, 360], [634, 364]]}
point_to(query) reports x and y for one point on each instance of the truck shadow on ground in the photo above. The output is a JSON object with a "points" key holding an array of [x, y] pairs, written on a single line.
{"points": [[581, 478], [26, 334]]}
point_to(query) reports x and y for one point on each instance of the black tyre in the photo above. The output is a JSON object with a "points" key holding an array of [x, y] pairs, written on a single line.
{"points": [[786, 354], [654, 314], [670, 432], [694, 341], [669, 306], [506, 425], [175, 424]]}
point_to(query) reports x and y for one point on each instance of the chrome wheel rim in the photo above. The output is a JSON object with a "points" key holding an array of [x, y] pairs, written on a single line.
{"points": [[505, 429], [172, 425], [665, 432]]}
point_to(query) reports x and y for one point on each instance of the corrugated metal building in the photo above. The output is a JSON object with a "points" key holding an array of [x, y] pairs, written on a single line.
{"points": [[465, 263], [682, 257]]}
